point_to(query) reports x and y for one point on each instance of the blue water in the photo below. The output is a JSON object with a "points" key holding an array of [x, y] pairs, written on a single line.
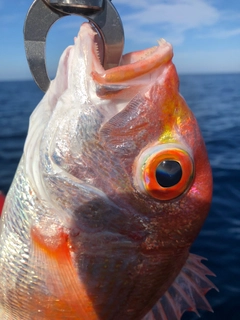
{"points": [[215, 100]]}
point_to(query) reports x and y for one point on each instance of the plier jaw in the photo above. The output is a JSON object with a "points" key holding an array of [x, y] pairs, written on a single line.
{"points": [[44, 13], [85, 7]]}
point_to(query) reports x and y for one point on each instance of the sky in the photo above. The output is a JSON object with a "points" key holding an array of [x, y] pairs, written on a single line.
{"points": [[205, 34]]}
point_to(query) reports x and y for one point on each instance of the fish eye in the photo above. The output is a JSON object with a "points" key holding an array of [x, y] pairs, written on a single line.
{"points": [[165, 171], [168, 173]]}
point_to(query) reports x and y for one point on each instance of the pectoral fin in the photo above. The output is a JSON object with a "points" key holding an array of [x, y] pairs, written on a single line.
{"points": [[187, 293], [61, 279]]}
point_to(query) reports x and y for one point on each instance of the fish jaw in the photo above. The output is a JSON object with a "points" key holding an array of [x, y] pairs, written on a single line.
{"points": [[123, 82], [136, 64]]}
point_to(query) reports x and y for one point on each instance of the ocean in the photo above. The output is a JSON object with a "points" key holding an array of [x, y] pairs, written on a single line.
{"points": [[215, 101]]}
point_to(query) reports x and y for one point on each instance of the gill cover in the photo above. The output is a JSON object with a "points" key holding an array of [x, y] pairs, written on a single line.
{"points": [[164, 171]]}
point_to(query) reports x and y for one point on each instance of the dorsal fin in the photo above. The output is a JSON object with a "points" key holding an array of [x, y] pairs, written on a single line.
{"points": [[187, 293]]}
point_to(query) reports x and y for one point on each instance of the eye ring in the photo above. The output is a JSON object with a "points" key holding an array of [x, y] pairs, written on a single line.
{"points": [[149, 162]]}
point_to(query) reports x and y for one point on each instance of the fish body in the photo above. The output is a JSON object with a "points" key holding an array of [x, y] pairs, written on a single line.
{"points": [[112, 189]]}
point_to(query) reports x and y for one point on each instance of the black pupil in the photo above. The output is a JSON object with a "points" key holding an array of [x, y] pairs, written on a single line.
{"points": [[168, 173]]}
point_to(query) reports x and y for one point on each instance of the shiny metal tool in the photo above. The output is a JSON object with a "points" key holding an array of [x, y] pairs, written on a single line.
{"points": [[42, 15]]}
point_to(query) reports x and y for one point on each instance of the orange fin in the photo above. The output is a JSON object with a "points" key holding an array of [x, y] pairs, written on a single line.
{"points": [[2, 199], [61, 276], [187, 293]]}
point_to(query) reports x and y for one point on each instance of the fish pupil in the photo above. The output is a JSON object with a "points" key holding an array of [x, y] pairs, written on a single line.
{"points": [[168, 173]]}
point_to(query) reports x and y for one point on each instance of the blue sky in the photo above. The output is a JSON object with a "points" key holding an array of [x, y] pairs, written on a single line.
{"points": [[205, 34]]}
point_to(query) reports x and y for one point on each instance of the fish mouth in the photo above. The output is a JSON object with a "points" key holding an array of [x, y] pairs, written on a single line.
{"points": [[140, 65]]}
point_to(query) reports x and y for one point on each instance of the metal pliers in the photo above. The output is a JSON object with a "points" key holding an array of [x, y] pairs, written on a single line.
{"points": [[43, 13]]}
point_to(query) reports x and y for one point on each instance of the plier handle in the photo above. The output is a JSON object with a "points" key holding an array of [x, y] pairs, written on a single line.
{"points": [[42, 15]]}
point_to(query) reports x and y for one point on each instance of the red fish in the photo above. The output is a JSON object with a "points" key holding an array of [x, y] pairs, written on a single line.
{"points": [[2, 199], [112, 190]]}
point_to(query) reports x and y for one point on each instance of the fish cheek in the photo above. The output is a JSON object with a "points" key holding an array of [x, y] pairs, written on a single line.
{"points": [[185, 215], [175, 219]]}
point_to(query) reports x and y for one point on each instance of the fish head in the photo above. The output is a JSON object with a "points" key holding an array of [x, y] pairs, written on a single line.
{"points": [[148, 155], [127, 143]]}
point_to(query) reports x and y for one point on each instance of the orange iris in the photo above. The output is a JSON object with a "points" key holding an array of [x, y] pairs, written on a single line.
{"points": [[149, 173]]}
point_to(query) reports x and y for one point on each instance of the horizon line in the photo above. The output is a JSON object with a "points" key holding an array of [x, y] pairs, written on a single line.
{"points": [[179, 73]]}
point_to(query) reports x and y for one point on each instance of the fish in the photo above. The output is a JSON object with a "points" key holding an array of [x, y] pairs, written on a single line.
{"points": [[112, 189], [2, 199]]}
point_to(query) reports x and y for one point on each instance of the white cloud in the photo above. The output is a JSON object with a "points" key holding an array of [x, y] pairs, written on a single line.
{"points": [[172, 18], [134, 4], [185, 14], [221, 34]]}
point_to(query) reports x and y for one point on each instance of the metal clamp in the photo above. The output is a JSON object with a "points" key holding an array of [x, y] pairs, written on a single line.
{"points": [[42, 15]]}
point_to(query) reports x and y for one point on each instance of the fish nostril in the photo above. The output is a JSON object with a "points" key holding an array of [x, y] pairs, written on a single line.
{"points": [[168, 173]]}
